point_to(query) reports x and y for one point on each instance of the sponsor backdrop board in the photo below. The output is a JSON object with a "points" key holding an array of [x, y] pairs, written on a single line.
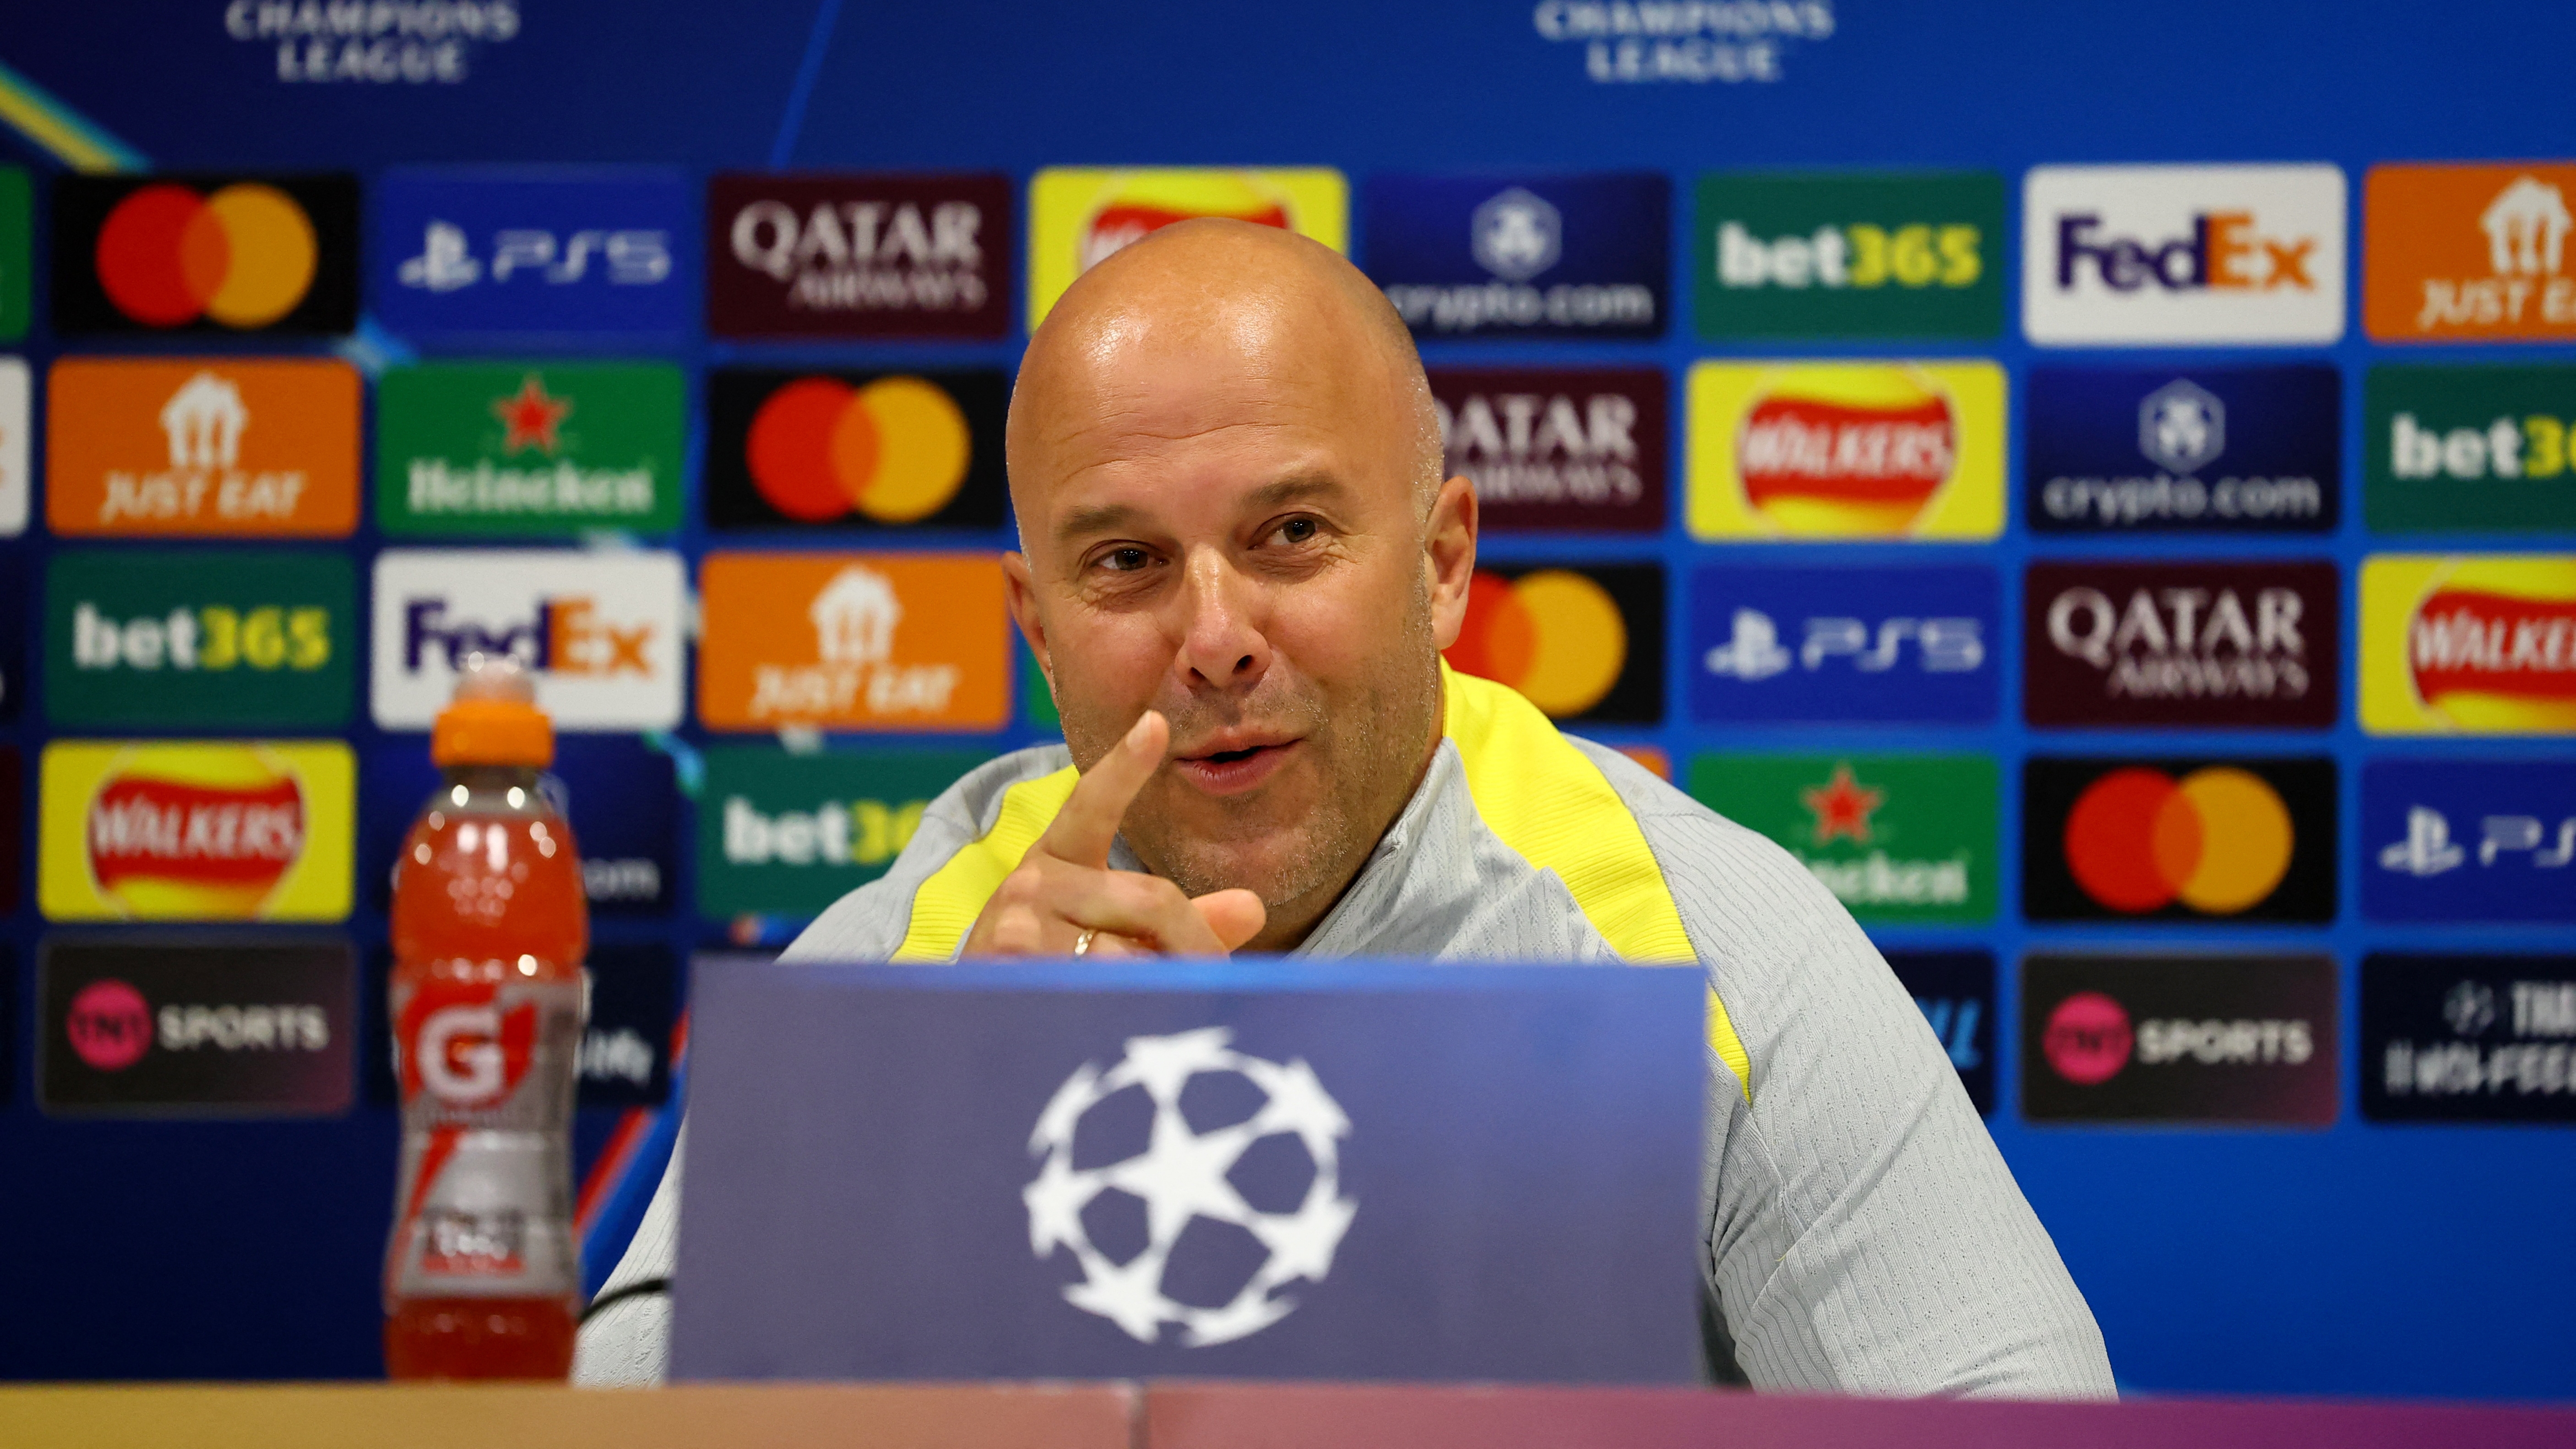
{"points": [[862, 195]]}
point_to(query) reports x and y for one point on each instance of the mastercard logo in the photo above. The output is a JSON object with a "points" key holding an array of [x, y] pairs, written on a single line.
{"points": [[1554, 635], [1146, 203], [2218, 840], [243, 256], [1842, 451], [894, 450]]}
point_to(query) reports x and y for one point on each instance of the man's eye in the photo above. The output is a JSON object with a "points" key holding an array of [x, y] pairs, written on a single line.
{"points": [[1297, 530], [1124, 560]]}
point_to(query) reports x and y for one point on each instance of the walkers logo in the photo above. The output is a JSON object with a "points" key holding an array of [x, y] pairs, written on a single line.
{"points": [[17, 413], [788, 834], [1837, 254], [1584, 642], [2468, 840], [1534, 256], [167, 1028], [855, 450], [565, 250], [1956, 992], [1798, 645], [2468, 1038], [859, 256], [1826, 450], [260, 638], [202, 446], [2183, 840], [154, 830], [528, 448], [1557, 451], [2215, 449], [619, 792], [2508, 433], [2251, 645], [1899, 839], [17, 261], [2165, 255], [600, 631], [2468, 645], [2179, 1039], [205, 253], [2468, 253], [1077, 215], [853, 642]]}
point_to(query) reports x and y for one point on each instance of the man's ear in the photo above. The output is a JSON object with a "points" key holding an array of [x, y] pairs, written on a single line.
{"points": [[1020, 592], [1449, 552]]}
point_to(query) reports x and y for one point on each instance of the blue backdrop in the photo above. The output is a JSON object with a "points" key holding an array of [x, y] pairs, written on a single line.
{"points": [[2355, 1259]]}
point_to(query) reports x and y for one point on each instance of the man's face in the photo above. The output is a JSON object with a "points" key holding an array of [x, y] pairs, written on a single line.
{"points": [[1224, 524]]}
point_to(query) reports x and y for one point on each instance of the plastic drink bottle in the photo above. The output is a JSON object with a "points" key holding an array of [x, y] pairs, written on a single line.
{"points": [[482, 1277]]}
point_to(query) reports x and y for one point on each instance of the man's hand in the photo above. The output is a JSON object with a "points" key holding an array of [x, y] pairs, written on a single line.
{"points": [[1064, 886]]}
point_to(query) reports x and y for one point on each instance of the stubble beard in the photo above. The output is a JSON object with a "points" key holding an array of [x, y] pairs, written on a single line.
{"points": [[1370, 750]]}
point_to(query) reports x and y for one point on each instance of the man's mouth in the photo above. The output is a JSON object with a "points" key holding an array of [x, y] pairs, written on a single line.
{"points": [[1234, 761]]}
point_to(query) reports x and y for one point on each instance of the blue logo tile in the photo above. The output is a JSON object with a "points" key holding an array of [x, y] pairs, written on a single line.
{"points": [[1774, 645], [2185, 449], [530, 253], [1526, 256], [2468, 840]]}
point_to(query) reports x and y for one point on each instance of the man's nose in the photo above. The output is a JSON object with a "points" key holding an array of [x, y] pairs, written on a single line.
{"points": [[1222, 645]]}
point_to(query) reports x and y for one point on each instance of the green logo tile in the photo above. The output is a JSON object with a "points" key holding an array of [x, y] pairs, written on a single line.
{"points": [[1892, 254], [1037, 702], [2453, 449], [1901, 839], [529, 449], [788, 834], [17, 221], [236, 639]]}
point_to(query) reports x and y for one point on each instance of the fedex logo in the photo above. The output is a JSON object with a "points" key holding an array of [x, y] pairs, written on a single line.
{"points": [[2167, 255], [602, 631]]}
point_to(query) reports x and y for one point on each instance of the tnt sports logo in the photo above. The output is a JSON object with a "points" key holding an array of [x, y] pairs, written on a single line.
{"points": [[109, 1025], [2088, 1039], [894, 450], [1562, 256], [1898, 254], [1823, 450], [2482, 645], [2156, 255], [1793, 644], [221, 254], [601, 631], [195, 832], [488, 251], [2468, 253], [852, 641], [1078, 217], [1563, 638], [1201, 1183], [240, 447], [2182, 840]]}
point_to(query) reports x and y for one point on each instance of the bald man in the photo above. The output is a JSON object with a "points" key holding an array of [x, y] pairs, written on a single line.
{"points": [[1238, 565]]}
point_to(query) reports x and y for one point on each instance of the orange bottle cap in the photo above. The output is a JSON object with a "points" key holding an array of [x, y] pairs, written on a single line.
{"points": [[494, 719]]}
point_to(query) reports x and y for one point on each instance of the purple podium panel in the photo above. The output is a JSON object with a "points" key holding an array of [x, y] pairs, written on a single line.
{"points": [[1142, 1170], [1349, 1416]]}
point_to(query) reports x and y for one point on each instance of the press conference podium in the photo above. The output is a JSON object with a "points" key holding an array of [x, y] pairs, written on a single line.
{"points": [[1190, 1415]]}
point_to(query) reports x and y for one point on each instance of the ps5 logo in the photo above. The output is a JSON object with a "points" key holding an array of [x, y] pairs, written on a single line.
{"points": [[2428, 849], [1941, 645], [447, 263]]}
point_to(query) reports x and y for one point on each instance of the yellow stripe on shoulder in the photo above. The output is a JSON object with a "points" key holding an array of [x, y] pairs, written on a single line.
{"points": [[1555, 808], [945, 907]]}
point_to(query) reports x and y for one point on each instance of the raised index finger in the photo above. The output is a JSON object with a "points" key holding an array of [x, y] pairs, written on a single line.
{"points": [[1089, 820]]}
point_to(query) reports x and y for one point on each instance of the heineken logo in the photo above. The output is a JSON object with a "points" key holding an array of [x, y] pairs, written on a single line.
{"points": [[531, 450], [1896, 838]]}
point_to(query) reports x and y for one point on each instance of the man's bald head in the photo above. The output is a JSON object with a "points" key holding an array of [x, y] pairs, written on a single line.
{"points": [[1220, 292]]}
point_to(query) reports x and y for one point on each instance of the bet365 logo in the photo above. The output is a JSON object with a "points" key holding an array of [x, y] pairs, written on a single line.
{"points": [[1899, 254], [250, 638]]}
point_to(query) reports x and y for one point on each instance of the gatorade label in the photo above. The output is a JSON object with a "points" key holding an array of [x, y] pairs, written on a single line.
{"points": [[485, 1068]]}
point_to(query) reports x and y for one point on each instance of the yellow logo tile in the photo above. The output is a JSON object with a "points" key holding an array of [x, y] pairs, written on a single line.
{"points": [[1078, 215], [1819, 450], [170, 830], [2468, 644]]}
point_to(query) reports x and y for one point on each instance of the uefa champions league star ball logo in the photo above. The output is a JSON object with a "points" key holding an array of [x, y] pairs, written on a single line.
{"points": [[1184, 1175]]}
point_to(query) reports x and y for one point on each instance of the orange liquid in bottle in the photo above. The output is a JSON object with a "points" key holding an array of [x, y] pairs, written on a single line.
{"points": [[489, 931]]}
